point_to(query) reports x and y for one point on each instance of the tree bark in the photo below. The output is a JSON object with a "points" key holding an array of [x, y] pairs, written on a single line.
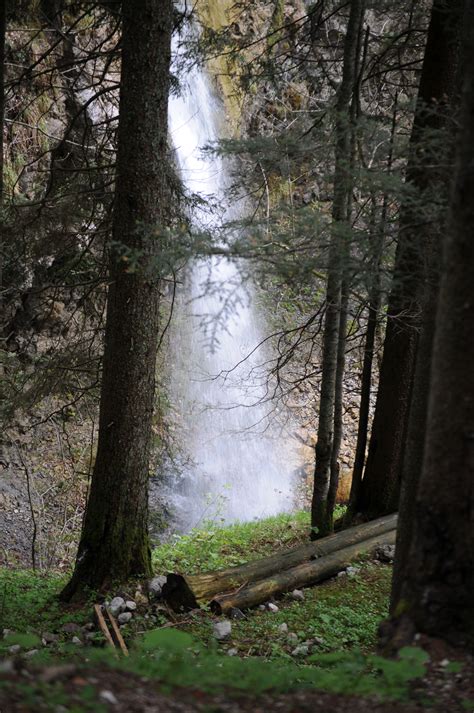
{"points": [[442, 83], [3, 23], [437, 577], [300, 576], [188, 591], [321, 516], [381, 484], [114, 541]]}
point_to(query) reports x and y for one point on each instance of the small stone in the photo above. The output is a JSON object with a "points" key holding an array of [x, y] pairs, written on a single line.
{"points": [[32, 652], [272, 607], [108, 697], [283, 628], [297, 595], [444, 663], [48, 638], [90, 626], [352, 571], [235, 613], [117, 605], [232, 652], [76, 641], [385, 553], [292, 638], [124, 617], [262, 607], [7, 632], [301, 650], [70, 628], [342, 574], [318, 640], [155, 586], [15, 649], [7, 666], [130, 605], [140, 599], [222, 630]]}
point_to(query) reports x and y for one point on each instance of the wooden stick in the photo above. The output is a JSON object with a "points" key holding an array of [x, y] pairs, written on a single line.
{"points": [[103, 625], [117, 633]]}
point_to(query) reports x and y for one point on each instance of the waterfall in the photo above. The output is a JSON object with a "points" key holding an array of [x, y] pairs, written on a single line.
{"points": [[237, 463]]}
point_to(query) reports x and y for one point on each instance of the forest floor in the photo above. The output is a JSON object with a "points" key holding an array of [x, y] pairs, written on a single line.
{"points": [[308, 654]]}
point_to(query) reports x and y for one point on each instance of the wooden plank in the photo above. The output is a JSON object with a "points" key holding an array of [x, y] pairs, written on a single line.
{"points": [[117, 633], [103, 625]]}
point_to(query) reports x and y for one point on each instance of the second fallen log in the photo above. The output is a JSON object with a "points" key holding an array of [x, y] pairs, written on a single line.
{"points": [[302, 575]]}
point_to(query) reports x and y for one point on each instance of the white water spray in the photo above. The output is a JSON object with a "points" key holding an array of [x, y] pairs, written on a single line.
{"points": [[238, 464]]}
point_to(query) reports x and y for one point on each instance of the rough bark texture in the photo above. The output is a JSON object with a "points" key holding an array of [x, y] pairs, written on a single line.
{"points": [[442, 67], [321, 517], [300, 576], [437, 578], [187, 591], [414, 265], [114, 541], [2, 121]]}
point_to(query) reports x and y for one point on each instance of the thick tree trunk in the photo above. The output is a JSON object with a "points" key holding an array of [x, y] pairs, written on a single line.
{"points": [[442, 68], [321, 516], [188, 591], [114, 540], [300, 576], [3, 22], [380, 490], [437, 578]]}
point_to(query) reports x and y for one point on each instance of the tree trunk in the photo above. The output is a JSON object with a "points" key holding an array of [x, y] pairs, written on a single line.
{"points": [[442, 83], [114, 541], [437, 577], [187, 591], [321, 517], [382, 478], [300, 576], [3, 22]]}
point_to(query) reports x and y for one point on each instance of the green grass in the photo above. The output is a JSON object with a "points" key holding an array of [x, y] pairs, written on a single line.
{"points": [[213, 547], [29, 603]]}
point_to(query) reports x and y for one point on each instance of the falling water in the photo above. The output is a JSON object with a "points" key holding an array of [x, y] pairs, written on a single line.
{"points": [[236, 462]]}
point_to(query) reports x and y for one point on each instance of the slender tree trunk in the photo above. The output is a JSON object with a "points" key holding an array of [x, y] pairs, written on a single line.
{"points": [[442, 62], [321, 514], [3, 23], [380, 489], [114, 541], [436, 579]]}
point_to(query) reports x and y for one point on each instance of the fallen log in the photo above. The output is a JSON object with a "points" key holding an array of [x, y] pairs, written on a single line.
{"points": [[184, 592], [302, 575]]}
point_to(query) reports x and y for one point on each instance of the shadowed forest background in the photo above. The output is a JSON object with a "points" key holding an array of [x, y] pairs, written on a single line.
{"points": [[236, 340]]}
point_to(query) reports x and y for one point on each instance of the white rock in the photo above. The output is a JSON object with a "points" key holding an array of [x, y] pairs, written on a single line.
{"points": [[292, 638], [283, 628], [301, 650], [76, 640], [342, 574], [130, 605], [352, 571], [124, 618], [15, 649], [155, 586], [232, 652], [31, 653], [108, 697], [272, 607], [117, 605], [222, 630], [297, 595]]}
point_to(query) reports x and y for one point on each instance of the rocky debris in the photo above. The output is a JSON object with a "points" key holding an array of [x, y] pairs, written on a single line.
{"points": [[71, 628], [292, 638], [352, 571], [237, 614], [108, 697], [301, 650], [117, 606], [15, 649], [76, 641], [297, 595], [222, 630], [130, 605], [155, 587], [124, 617], [385, 553], [31, 653], [232, 652], [283, 628], [48, 638], [273, 607]]}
